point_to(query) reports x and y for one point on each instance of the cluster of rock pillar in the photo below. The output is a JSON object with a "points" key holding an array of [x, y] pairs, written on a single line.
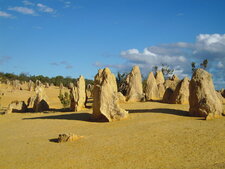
{"points": [[199, 93]]}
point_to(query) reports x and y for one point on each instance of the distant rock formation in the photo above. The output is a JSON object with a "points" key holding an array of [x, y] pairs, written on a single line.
{"points": [[151, 91], [70, 86], [89, 91], [61, 86], [31, 85], [203, 98], [16, 106], [78, 95], [170, 87], [40, 100], [134, 88], [105, 105], [16, 85], [38, 83], [171, 84], [181, 93]]}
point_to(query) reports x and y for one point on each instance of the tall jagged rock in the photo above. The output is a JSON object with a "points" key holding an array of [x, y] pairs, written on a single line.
{"points": [[151, 91], [181, 93], [203, 98], [78, 95], [105, 105], [134, 85]]}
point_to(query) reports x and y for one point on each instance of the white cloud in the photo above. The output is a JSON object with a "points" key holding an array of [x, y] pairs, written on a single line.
{"points": [[213, 43], [5, 14], [149, 58], [220, 64], [179, 56], [67, 4], [25, 2], [44, 8], [23, 10]]}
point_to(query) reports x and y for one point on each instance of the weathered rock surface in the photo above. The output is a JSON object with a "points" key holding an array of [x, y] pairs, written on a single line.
{"points": [[16, 106], [134, 85], [221, 98], [121, 97], [105, 105], [203, 98], [78, 95], [151, 91], [175, 78], [40, 101], [171, 84], [167, 95], [181, 93], [161, 89]]}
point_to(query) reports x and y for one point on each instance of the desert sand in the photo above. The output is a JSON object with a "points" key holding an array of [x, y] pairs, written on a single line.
{"points": [[155, 135]]}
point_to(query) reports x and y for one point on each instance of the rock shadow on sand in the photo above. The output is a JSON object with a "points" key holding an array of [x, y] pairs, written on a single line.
{"points": [[161, 110], [73, 116], [87, 117]]}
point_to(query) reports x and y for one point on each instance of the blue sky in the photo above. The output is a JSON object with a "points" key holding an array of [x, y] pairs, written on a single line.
{"points": [[69, 38]]}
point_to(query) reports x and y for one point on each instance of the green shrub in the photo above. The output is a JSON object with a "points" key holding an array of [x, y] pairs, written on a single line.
{"points": [[64, 98]]}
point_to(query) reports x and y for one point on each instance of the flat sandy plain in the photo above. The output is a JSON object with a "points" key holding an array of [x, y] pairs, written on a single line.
{"points": [[155, 135]]}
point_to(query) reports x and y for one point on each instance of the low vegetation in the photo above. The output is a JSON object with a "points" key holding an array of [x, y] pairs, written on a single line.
{"points": [[44, 79], [64, 98]]}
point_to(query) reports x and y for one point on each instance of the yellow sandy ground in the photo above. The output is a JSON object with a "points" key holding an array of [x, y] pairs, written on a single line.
{"points": [[155, 135]]}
